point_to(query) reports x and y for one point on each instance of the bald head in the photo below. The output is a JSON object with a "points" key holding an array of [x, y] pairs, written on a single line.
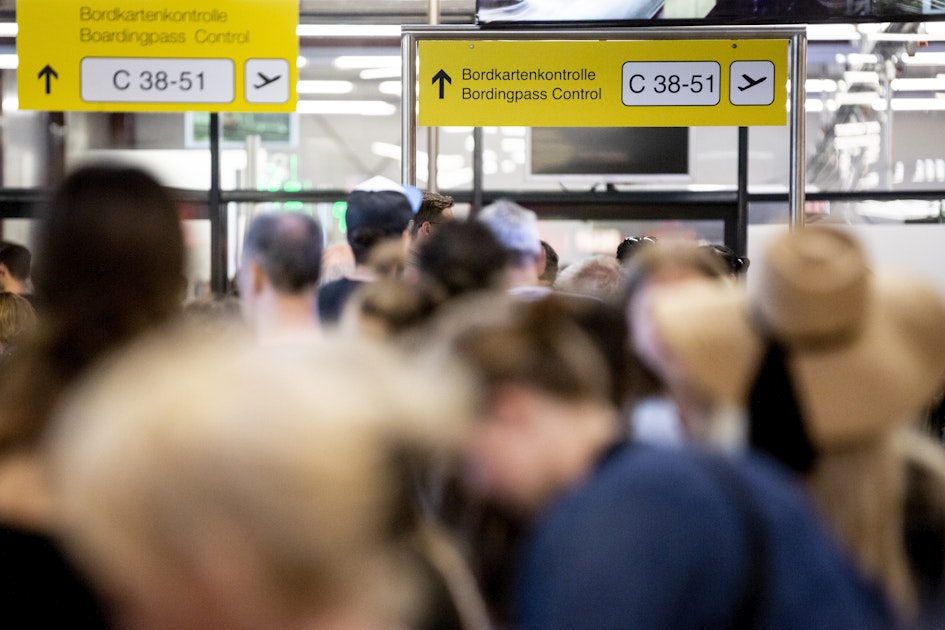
{"points": [[288, 248]]}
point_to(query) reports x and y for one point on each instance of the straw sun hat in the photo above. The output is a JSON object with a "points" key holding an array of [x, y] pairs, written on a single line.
{"points": [[861, 351]]}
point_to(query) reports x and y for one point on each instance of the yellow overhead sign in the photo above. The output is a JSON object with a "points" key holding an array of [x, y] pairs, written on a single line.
{"points": [[652, 83], [157, 55]]}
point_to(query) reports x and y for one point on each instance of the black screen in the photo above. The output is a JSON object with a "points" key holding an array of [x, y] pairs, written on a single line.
{"points": [[611, 152]]}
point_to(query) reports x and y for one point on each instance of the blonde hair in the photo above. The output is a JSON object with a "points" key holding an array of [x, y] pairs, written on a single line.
{"points": [[862, 491], [287, 450], [17, 317]]}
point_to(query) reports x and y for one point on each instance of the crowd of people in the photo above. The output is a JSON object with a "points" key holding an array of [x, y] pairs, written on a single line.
{"points": [[459, 431]]}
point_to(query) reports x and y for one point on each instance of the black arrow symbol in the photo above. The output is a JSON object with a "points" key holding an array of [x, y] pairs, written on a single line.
{"points": [[443, 78], [49, 73]]}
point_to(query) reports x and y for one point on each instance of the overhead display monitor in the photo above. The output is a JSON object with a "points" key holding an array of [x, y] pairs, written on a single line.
{"points": [[609, 155], [707, 11]]}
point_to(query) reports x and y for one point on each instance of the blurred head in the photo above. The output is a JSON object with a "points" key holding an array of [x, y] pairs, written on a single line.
{"points": [[547, 410], [658, 264], [206, 486], [15, 262], [286, 248], [462, 256], [631, 245], [388, 308], [737, 265], [598, 276], [110, 267], [378, 210], [111, 251], [435, 210], [17, 318], [550, 273], [824, 348], [388, 260], [667, 261], [515, 228]]}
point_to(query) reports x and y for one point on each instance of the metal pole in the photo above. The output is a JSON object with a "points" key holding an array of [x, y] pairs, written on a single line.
{"points": [[433, 153], [798, 154], [408, 129], [246, 212], [477, 171], [741, 219], [886, 130], [218, 218], [433, 133]]}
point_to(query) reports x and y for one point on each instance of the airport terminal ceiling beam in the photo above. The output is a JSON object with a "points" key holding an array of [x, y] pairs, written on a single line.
{"points": [[796, 36]]}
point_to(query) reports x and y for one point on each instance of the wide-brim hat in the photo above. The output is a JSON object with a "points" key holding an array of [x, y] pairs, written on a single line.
{"points": [[863, 351]]}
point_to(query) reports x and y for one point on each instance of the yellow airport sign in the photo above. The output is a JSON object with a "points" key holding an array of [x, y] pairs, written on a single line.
{"points": [[157, 55], [652, 83]]}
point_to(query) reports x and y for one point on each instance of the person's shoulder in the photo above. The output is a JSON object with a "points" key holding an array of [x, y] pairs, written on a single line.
{"points": [[801, 559], [332, 297], [629, 544], [726, 521], [685, 472], [638, 484], [338, 286]]}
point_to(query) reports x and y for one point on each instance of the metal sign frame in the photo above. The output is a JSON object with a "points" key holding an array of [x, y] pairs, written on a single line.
{"points": [[797, 74]]}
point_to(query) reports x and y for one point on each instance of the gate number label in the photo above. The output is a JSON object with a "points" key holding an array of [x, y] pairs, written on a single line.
{"points": [[671, 83], [157, 80]]}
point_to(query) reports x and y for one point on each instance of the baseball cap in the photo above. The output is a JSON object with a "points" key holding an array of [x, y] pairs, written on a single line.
{"points": [[383, 204]]}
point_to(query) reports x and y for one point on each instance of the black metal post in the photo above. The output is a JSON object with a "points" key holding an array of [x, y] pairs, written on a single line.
{"points": [[740, 244], [219, 231], [477, 171]]}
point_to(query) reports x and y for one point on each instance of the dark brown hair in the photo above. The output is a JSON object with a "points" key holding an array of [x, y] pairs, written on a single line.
{"points": [[431, 208], [17, 258], [109, 267]]}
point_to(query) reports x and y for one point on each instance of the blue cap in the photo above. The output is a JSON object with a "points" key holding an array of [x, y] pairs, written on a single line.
{"points": [[383, 204]]}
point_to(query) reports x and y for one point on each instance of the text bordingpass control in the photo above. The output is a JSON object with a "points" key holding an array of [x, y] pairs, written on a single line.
{"points": [[512, 95]]}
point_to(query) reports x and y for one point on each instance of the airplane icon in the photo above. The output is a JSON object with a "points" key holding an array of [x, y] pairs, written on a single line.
{"points": [[751, 82], [266, 80]]}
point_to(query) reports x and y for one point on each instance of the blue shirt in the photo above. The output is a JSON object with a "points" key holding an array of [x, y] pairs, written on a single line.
{"points": [[676, 540]]}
